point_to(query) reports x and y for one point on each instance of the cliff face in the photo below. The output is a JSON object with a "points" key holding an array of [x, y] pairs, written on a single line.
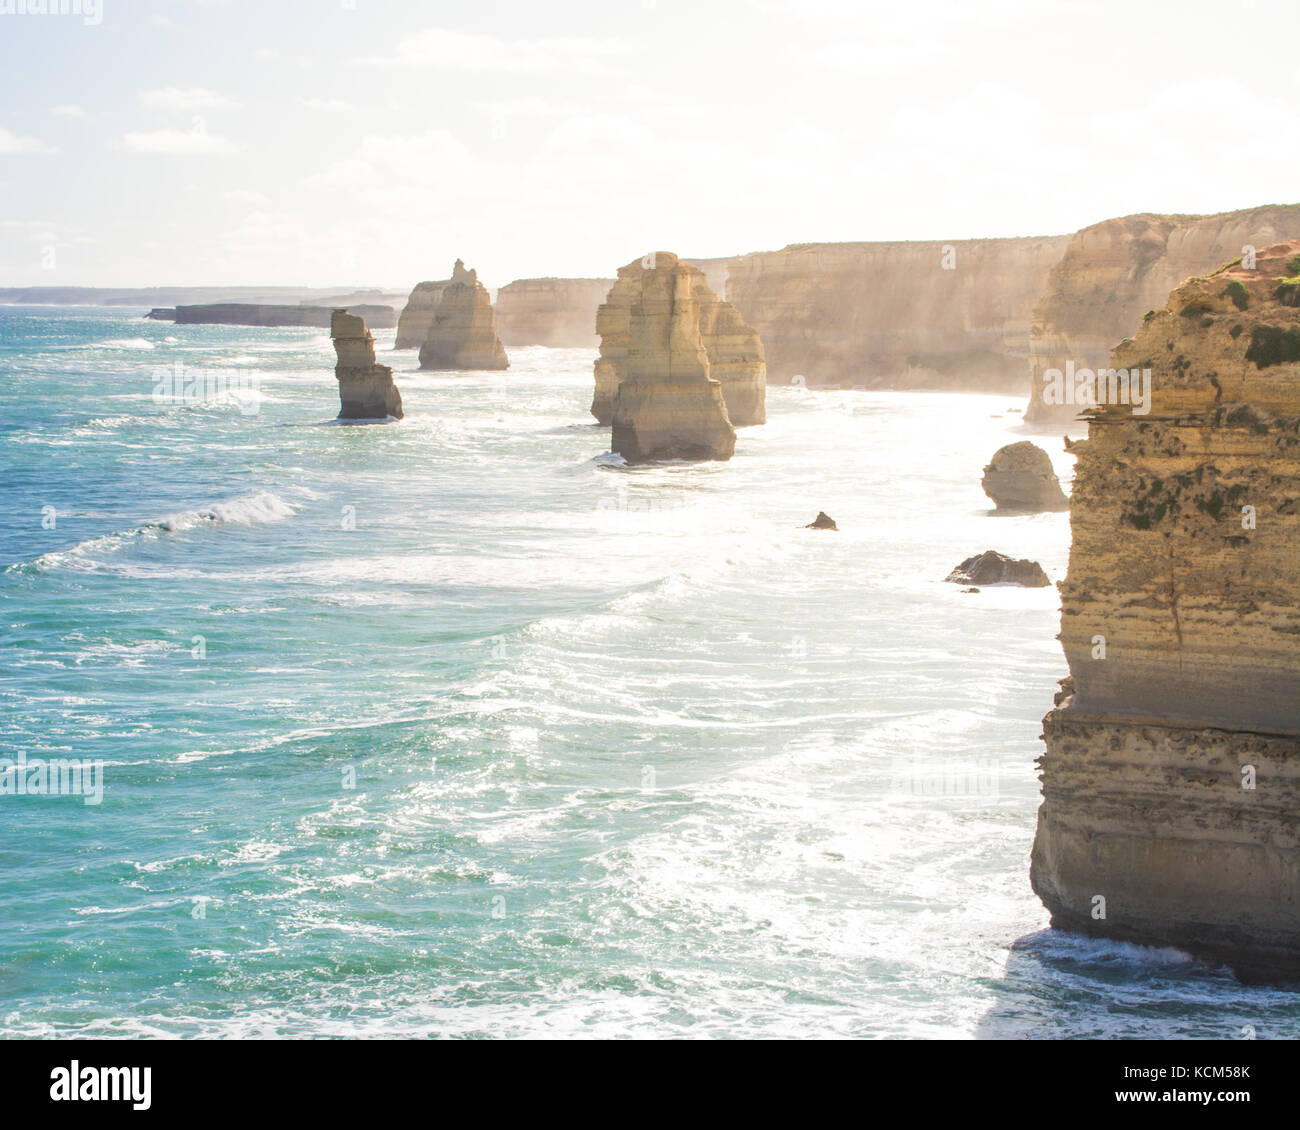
{"points": [[463, 334], [666, 406], [1113, 272], [892, 314], [417, 315], [554, 312], [366, 390], [734, 350], [1171, 779]]}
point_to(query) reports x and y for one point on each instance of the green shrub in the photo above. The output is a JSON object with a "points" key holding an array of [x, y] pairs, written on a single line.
{"points": [[1194, 310], [1238, 293], [1273, 345]]}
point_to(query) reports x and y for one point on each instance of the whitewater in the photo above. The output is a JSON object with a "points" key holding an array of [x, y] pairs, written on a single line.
{"points": [[460, 727]]}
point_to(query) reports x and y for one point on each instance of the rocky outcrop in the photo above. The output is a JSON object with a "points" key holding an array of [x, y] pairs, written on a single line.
{"points": [[896, 315], [1113, 272], [993, 568], [823, 521], [734, 351], [417, 315], [1171, 778], [554, 312], [366, 390], [666, 406], [245, 314], [1020, 477], [463, 333]]}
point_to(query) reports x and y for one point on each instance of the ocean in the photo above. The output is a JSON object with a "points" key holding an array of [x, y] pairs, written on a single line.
{"points": [[459, 727]]}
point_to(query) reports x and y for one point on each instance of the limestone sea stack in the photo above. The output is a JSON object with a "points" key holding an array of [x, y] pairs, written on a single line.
{"points": [[734, 350], [1020, 477], [1171, 779], [666, 406], [464, 332], [366, 390]]}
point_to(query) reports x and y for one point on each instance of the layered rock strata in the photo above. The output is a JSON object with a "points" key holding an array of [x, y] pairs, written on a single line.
{"points": [[1113, 272], [555, 312], [1020, 477], [463, 333], [366, 390], [1171, 778], [733, 348], [667, 406]]}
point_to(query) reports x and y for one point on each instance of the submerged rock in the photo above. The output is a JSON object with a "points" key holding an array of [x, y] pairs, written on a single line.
{"points": [[993, 568], [666, 406], [1171, 778], [366, 390], [463, 333], [1020, 477], [733, 348], [823, 521]]}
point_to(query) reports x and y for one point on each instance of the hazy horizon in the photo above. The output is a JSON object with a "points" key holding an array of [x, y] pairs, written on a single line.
{"points": [[367, 143]]}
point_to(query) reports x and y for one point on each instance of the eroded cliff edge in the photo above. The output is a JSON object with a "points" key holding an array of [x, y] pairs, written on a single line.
{"points": [[907, 315], [1113, 272], [555, 312], [1171, 778]]}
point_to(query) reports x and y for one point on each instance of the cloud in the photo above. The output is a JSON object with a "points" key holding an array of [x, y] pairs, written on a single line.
{"points": [[69, 111], [468, 51], [11, 143], [333, 105], [246, 196], [192, 98], [177, 142]]}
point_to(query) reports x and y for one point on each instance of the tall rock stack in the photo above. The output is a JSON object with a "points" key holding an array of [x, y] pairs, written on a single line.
{"points": [[667, 406], [463, 334], [1171, 780], [366, 390], [417, 315], [1113, 272], [733, 348]]}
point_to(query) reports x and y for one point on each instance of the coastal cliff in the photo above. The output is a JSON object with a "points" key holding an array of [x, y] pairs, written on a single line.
{"points": [[896, 315], [463, 333], [1171, 778], [666, 406], [248, 314], [417, 315], [1113, 272], [366, 390], [733, 348], [554, 312]]}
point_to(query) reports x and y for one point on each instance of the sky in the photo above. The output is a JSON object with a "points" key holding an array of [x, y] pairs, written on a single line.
{"points": [[372, 142]]}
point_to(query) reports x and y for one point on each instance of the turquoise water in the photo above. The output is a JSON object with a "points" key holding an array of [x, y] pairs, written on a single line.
{"points": [[459, 727]]}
